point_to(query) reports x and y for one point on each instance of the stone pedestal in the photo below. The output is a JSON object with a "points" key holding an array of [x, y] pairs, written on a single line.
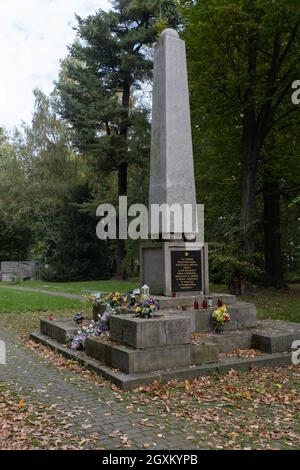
{"points": [[175, 267], [133, 361], [141, 345], [150, 333]]}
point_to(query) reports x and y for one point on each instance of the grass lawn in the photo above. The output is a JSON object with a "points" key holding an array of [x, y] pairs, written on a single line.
{"points": [[22, 311], [15, 301], [280, 305], [31, 306], [80, 287]]}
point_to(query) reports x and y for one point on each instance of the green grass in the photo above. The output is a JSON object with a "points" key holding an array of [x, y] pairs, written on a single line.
{"points": [[80, 287], [278, 305], [281, 305], [15, 301]]}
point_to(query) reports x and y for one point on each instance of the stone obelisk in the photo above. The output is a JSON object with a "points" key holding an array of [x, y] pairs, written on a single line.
{"points": [[174, 266], [172, 178]]}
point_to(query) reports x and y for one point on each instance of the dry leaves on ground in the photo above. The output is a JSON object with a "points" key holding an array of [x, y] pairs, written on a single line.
{"points": [[24, 426], [259, 409]]}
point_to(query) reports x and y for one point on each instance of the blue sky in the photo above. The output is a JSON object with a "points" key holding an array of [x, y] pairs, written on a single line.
{"points": [[34, 35]]}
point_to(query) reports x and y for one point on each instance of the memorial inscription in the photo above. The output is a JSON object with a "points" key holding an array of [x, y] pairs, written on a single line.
{"points": [[186, 271]]}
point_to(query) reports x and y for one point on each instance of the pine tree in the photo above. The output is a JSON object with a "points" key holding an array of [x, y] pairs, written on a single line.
{"points": [[107, 65]]}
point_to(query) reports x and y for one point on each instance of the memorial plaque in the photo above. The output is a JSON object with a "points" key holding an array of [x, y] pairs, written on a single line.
{"points": [[186, 271]]}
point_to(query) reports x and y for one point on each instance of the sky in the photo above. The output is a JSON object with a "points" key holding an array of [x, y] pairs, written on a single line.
{"points": [[34, 35]]}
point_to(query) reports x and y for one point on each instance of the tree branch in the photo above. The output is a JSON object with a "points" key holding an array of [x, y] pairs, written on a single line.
{"points": [[289, 45], [284, 115]]}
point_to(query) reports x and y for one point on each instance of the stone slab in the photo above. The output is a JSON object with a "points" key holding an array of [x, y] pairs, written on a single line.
{"points": [[170, 303], [100, 350], [132, 381], [224, 366], [232, 340], [275, 335], [141, 333], [60, 330], [274, 342], [133, 361], [243, 316], [204, 353]]}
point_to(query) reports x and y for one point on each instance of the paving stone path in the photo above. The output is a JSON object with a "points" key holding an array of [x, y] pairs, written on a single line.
{"points": [[89, 408]]}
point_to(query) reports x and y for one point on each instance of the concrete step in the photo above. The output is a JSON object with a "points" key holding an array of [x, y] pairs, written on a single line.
{"points": [[133, 361], [274, 336], [132, 381], [242, 314], [60, 330], [167, 303]]}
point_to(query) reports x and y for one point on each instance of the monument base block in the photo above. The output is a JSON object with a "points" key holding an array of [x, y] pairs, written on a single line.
{"points": [[60, 330], [132, 361], [160, 331], [178, 267]]}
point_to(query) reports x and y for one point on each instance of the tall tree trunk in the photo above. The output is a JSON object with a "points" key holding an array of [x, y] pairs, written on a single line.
{"points": [[248, 206], [121, 273], [273, 257], [241, 282]]}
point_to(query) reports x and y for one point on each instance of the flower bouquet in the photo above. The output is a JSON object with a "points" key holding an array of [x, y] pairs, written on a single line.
{"points": [[115, 299], [93, 298], [146, 307], [79, 318], [78, 341], [219, 318]]}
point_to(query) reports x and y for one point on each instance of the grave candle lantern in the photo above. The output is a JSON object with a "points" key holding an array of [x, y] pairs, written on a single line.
{"points": [[145, 290]]}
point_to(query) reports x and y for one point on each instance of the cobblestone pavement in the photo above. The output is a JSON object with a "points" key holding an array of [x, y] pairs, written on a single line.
{"points": [[91, 409]]}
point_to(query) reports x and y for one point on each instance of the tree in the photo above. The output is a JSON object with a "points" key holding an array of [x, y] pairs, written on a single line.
{"points": [[76, 254], [15, 220], [280, 181], [50, 168], [63, 233], [107, 64], [243, 55]]}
